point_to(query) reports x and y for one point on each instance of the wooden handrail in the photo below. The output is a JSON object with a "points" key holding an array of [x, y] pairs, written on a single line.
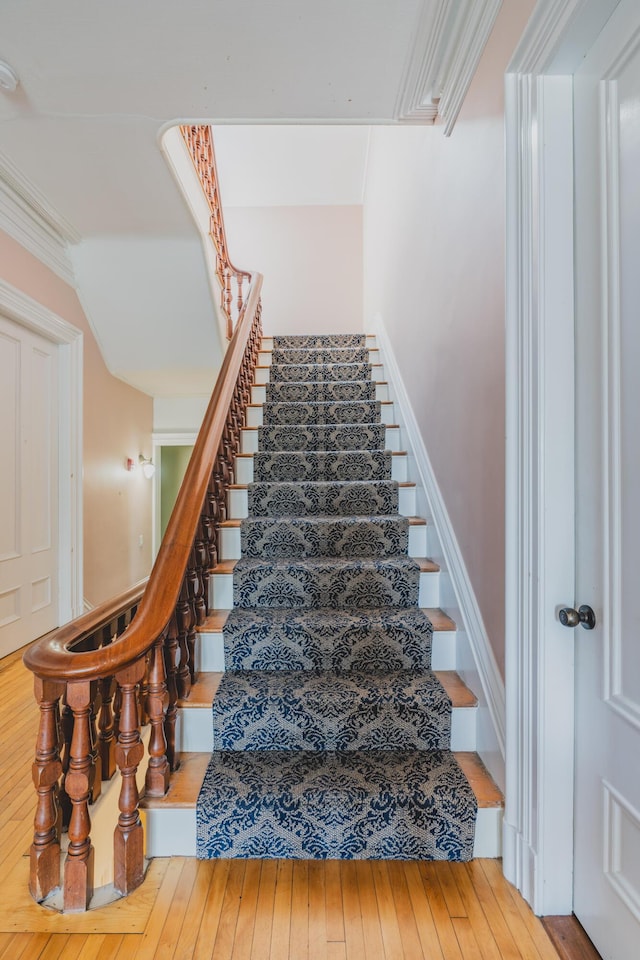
{"points": [[199, 143], [130, 660], [53, 657]]}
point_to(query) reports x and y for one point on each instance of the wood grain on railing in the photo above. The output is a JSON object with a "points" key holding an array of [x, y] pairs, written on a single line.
{"points": [[129, 661]]}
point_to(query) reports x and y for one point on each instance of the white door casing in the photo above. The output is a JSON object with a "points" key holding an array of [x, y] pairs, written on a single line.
{"points": [[24, 310], [607, 787], [538, 840]]}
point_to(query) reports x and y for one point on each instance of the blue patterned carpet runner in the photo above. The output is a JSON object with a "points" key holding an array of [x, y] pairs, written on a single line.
{"points": [[331, 733]]}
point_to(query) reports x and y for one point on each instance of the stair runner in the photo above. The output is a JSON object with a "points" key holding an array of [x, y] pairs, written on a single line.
{"points": [[331, 733]]}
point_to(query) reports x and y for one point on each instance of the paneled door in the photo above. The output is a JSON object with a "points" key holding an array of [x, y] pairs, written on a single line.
{"points": [[607, 238], [28, 486]]}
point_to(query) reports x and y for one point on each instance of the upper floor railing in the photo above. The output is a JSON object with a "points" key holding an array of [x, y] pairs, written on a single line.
{"points": [[199, 142], [108, 683]]}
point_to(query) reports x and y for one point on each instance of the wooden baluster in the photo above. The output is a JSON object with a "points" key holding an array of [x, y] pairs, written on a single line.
{"points": [[106, 735], [128, 839], [171, 657], [228, 298], [78, 868], [184, 620], [240, 301], [117, 701], [158, 771], [201, 562], [96, 755], [194, 582], [66, 733], [44, 875], [227, 446], [210, 556]]}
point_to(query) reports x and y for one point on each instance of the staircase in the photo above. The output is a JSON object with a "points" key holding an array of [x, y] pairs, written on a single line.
{"points": [[340, 727]]}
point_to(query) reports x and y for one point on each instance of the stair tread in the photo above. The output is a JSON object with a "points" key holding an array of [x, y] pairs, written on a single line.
{"points": [[216, 620], [206, 686], [236, 523], [187, 781], [389, 426], [328, 403], [245, 486], [225, 567]]}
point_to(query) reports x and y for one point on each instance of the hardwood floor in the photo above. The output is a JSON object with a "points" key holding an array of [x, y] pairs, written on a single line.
{"points": [[263, 910]]}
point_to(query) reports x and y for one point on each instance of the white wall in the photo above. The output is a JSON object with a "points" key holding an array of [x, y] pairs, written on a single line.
{"points": [[311, 259], [149, 302], [434, 276]]}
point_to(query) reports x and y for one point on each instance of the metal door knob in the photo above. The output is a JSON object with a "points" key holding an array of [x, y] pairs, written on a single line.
{"points": [[583, 615]]}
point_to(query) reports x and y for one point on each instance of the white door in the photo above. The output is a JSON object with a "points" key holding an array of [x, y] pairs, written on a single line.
{"points": [[607, 237], [28, 486]]}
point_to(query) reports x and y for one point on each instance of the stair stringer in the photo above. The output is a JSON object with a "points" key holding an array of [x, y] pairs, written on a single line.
{"points": [[476, 661]]}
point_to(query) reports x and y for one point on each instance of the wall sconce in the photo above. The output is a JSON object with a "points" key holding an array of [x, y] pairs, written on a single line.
{"points": [[148, 466]]}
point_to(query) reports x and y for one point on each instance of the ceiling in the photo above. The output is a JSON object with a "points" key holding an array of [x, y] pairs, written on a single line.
{"points": [[99, 83]]}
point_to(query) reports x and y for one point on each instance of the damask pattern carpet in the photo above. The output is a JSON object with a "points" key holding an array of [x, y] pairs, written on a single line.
{"points": [[331, 733]]}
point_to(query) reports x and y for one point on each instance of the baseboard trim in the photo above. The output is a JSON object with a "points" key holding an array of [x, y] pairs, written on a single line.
{"points": [[469, 612]]}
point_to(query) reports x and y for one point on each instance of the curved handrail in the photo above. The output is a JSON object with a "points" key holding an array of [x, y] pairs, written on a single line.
{"points": [[53, 657], [199, 143]]}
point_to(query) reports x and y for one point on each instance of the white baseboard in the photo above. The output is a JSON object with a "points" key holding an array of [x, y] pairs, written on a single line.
{"points": [[477, 663]]}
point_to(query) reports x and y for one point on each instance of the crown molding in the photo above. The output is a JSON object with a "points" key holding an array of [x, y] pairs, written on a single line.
{"points": [[450, 38], [27, 216]]}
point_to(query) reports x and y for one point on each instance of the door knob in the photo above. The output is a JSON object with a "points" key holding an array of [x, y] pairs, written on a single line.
{"points": [[571, 618]]}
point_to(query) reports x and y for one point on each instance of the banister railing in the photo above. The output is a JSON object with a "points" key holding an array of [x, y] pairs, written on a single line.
{"points": [[199, 143], [126, 664]]}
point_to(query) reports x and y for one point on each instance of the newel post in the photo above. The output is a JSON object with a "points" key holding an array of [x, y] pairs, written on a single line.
{"points": [[46, 771], [128, 839]]}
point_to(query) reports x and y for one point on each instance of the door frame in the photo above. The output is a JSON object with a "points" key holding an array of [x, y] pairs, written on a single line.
{"points": [[177, 438], [540, 443], [27, 312]]}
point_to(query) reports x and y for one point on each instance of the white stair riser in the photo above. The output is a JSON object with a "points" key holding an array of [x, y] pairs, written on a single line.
{"points": [[259, 393], [262, 372], [171, 832], [195, 729], [253, 416], [244, 469], [230, 542], [221, 591], [210, 651], [238, 502]]}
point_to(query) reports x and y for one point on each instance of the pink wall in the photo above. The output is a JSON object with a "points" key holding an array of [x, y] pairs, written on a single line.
{"points": [[311, 258], [434, 275], [117, 425]]}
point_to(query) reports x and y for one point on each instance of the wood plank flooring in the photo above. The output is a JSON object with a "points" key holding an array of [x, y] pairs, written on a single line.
{"points": [[259, 910]]}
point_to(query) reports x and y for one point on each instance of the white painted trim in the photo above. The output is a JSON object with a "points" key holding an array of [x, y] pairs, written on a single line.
{"points": [[540, 541], [469, 48], [491, 745], [29, 313], [540, 560], [27, 217], [450, 39], [159, 440]]}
